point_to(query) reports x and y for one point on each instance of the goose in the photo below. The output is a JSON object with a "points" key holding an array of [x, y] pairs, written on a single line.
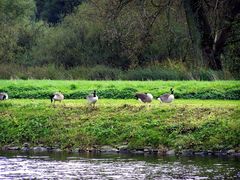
{"points": [[92, 98], [3, 96], [144, 97], [167, 98], [57, 96]]}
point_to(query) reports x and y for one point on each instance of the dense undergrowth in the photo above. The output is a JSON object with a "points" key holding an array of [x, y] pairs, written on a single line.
{"points": [[170, 71], [185, 124], [41, 89]]}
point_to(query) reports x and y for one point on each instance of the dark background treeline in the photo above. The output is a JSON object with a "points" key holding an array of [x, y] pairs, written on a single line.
{"points": [[120, 39]]}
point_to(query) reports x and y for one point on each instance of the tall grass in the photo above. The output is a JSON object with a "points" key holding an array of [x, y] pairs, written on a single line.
{"points": [[100, 72], [153, 73]]}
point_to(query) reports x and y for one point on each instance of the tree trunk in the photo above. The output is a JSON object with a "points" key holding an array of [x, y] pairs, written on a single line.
{"points": [[201, 35], [194, 32]]}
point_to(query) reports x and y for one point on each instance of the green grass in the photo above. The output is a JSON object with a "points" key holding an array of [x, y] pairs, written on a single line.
{"points": [[195, 124], [40, 89]]}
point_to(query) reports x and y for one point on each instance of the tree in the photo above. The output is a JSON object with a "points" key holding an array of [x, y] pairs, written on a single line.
{"points": [[210, 38], [209, 23], [15, 16], [129, 25], [76, 41]]}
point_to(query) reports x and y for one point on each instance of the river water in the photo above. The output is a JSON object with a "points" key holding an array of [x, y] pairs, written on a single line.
{"points": [[115, 166]]}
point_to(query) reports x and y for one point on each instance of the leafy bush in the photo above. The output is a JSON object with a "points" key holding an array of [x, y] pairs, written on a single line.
{"points": [[34, 130], [103, 73], [100, 72], [155, 74]]}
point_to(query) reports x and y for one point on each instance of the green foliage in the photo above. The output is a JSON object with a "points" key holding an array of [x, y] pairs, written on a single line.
{"points": [[125, 41], [104, 73], [34, 129], [208, 75], [232, 59], [72, 42], [15, 26], [14, 12], [96, 42], [100, 72], [163, 73]]}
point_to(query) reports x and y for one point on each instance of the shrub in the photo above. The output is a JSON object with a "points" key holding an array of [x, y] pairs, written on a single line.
{"points": [[100, 72], [103, 73]]}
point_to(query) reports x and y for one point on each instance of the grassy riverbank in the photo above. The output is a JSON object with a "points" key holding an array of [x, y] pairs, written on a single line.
{"points": [[40, 89], [195, 124]]}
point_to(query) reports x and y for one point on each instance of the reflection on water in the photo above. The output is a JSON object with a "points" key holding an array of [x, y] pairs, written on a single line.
{"points": [[85, 166]]}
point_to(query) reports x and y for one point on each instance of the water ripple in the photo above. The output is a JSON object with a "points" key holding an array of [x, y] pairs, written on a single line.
{"points": [[44, 167]]}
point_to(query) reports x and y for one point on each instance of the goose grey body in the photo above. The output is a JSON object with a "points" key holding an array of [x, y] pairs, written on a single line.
{"points": [[57, 96], [144, 97], [92, 98], [3, 96], [167, 98]]}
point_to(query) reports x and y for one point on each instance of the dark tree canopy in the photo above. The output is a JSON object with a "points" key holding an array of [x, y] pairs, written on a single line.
{"points": [[54, 10]]}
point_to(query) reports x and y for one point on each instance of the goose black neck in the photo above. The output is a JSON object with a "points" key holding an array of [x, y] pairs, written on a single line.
{"points": [[172, 91], [94, 93], [51, 97]]}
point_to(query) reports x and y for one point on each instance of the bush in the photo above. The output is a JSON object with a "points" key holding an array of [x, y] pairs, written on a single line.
{"points": [[155, 74], [100, 72], [103, 73], [208, 75]]}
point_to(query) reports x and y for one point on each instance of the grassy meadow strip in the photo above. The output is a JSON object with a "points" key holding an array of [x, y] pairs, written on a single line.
{"points": [[184, 124], [40, 89]]}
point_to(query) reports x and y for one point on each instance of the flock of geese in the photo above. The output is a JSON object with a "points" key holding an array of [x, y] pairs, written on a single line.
{"points": [[93, 98]]}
